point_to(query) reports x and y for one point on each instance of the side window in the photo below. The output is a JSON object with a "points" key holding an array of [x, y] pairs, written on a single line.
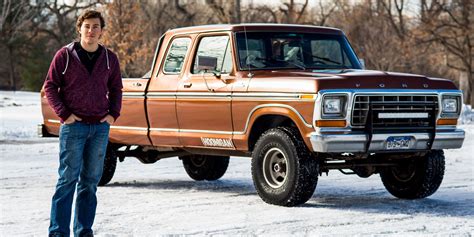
{"points": [[175, 58], [214, 48]]}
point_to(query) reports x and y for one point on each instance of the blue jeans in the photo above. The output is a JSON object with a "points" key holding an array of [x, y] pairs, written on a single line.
{"points": [[81, 156]]}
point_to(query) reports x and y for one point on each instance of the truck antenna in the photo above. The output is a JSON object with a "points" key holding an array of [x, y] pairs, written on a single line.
{"points": [[250, 74]]}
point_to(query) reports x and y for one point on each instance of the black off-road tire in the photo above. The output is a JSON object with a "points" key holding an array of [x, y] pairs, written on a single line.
{"points": [[285, 147], [417, 178], [202, 167], [110, 163]]}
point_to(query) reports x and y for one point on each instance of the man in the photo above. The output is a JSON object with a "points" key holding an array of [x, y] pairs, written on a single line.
{"points": [[84, 88]]}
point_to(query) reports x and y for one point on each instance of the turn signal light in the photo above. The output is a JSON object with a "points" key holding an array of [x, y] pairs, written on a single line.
{"points": [[447, 122], [307, 96], [330, 123]]}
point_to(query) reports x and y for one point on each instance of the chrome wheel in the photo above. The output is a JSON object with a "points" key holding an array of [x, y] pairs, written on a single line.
{"points": [[275, 167], [283, 170]]}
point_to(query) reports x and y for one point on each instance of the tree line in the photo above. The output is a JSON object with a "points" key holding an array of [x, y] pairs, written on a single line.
{"points": [[429, 37]]}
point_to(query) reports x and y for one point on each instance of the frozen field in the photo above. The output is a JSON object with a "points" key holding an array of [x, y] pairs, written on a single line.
{"points": [[160, 199]]}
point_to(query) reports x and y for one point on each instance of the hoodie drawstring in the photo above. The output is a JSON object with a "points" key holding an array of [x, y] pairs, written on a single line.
{"points": [[67, 57], [67, 61], [107, 56]]}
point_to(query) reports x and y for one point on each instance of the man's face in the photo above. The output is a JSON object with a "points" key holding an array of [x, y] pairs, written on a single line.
{"points": [[90, 31]]}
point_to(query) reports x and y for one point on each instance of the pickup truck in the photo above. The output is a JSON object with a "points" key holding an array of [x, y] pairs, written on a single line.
{"points": [[294, 98]]}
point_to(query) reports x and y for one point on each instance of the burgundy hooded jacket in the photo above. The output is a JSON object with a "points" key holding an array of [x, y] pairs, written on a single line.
{"points": [[70, 88]]}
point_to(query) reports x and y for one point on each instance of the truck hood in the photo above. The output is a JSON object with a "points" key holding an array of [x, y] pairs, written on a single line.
{"points": [[355, 79]]}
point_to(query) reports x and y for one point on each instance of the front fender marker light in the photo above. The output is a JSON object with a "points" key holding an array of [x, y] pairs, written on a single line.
{"points": [[447, 122], [331, 123], [307, 96]]}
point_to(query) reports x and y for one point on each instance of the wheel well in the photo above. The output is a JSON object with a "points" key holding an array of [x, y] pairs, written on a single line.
{"points": [[265, 122]]}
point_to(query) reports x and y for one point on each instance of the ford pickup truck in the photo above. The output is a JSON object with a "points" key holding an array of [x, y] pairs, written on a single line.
{"points": [[294, 98]]}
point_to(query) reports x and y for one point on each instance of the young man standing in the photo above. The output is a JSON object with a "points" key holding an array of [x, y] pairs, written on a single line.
{"points": [[84, 88]]}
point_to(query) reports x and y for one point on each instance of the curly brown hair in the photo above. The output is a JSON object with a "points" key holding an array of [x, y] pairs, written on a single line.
{"points": [[89, 14]]}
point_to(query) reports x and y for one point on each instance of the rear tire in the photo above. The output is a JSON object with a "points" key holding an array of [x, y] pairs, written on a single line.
{"points": [[283, 170], [203, 167], [415, 178], [110, 163]]}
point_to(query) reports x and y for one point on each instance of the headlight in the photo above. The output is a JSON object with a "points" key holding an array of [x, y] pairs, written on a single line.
{"points": [[450, 104], [334, 105]]}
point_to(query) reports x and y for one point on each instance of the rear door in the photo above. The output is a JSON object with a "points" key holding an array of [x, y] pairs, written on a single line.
{"points": [[161, 95]]}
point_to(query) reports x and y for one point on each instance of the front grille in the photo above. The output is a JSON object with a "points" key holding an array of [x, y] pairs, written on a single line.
{"points": [[367, 108]]}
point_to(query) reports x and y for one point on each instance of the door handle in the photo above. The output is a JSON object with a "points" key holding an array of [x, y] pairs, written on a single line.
{"points": [[187, 84], [137, 84]]}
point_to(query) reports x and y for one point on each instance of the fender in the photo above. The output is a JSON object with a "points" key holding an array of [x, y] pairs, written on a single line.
{"points": [[305, 128]]}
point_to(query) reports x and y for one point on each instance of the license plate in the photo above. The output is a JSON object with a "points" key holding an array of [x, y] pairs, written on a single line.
{"points": [[394, 143]]}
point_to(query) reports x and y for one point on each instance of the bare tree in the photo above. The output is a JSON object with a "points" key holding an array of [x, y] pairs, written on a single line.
{"points": [[226, 11], [288, 12], [223, 11], [437, 42], [64, 15], [322, 12], [126, 35], [450, 23], [237, 12], [260, 13], [15, 30], [293, 12], [394, 11], [182, 15]]}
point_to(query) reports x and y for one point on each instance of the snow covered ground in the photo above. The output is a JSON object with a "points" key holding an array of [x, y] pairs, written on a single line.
{"points": [[160, 199]]}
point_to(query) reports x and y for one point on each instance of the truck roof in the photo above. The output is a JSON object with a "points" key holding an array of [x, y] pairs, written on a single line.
{"points": [[249, 27]]}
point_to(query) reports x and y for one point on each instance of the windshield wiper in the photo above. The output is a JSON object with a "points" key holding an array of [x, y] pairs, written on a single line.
{"points": [[327, 60], [294, 63]]}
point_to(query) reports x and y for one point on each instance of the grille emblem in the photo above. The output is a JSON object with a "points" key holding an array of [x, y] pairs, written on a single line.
{"points": [[425, 85], [404, 85], [357, 85], [381, 85]]}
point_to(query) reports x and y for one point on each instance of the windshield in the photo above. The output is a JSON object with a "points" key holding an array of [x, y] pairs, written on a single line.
{"points": [[276, 50]]}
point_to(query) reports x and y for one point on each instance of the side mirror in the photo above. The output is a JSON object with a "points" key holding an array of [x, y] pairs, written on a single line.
{"points": [[206, 63], [362, 63]]}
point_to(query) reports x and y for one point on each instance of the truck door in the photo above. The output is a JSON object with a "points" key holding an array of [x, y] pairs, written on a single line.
{"points": [[161, 95], [203, 103], [131, 127]]}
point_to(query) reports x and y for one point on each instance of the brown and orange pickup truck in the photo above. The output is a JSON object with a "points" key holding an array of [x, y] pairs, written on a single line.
{"points": [[295, 99]]}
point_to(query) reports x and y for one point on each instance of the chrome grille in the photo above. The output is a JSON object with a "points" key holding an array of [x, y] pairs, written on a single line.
{"points": [[363, 104]]}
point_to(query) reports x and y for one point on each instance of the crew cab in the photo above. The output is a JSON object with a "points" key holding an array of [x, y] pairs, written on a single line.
{"points": [[295, 99]]}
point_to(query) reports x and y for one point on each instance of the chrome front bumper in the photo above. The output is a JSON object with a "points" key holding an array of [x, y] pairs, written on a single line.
{"points": [[352, 142]]}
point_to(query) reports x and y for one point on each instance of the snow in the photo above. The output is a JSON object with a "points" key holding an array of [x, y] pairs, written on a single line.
{"points": [[160, 199], [467, 115]]}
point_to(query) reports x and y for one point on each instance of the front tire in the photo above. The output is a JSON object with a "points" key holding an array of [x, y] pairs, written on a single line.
{"points": [[110, 163], [284, 172], [415, 178], [202, 167]]}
